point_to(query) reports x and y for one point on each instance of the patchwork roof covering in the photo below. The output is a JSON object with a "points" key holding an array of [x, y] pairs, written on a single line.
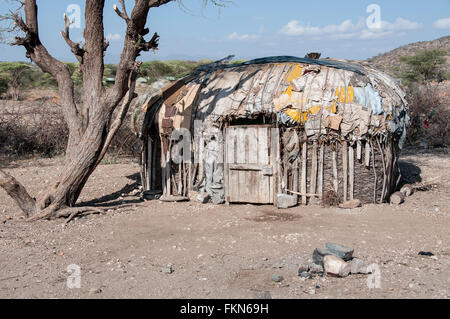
{"points": [[347, 98]]}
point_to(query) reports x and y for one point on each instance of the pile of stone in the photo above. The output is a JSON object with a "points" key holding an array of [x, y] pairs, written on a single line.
{"points": [[335, 260]]}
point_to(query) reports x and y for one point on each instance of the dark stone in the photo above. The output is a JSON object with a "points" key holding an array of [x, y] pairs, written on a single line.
{"points": [[277, 278], [346, 253], [426, 253], [305, 274], [262, 295], [319, 254], [316, 269], [303, 268]]}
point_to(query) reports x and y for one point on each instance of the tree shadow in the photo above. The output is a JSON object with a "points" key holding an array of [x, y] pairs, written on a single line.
{"points": [[115, 199]]}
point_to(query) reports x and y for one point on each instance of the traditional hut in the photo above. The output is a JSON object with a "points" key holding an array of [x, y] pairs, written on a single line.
{"points": [[273, 128]]}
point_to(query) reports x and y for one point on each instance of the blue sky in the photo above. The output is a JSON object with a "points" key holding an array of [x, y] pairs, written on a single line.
{"points": [[252, 28]]}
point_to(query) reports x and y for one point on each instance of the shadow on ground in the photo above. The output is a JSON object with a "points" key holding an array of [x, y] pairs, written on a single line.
{"points": [[116, 198]]}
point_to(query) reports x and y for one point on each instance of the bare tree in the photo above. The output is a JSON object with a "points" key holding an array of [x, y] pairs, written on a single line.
{"points": [[92, 123]]}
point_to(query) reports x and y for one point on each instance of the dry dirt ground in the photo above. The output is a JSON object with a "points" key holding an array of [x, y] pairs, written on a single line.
{"points": [[223, 251]]}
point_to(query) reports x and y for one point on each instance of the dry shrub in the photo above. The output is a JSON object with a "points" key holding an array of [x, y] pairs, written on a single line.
{"points": [[330, 198], [29, 130], [38, 128], [429, 111]]}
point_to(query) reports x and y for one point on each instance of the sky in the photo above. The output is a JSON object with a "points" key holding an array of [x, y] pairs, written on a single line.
{"points": [[350, 29]]}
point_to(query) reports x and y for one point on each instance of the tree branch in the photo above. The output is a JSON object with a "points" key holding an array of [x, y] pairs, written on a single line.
{"points": [[75, 47], [134, 44], [20, 195], [123, 14], [39, 55], [115, 126]]}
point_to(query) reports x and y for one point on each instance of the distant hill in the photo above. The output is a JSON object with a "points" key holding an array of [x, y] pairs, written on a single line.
{"points": [[387, 62]]}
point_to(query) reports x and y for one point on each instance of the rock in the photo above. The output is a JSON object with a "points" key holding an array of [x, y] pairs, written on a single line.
{"points": [[203, 198], [336, 266], [352, 204], [262, 295], [340, 251], [303, 268], [168, 270], [305, 274], [407, 190], [286, 201], [319, 254], [94, 291], [277, 278], [397, 198], [426, 253], [357, 266], [316, 269]]}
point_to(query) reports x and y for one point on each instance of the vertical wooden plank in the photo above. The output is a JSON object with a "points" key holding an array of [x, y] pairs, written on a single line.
{"points": [[351, 155], [154, 161], [253, 146], [359, 150], [304, 172], [272, 137], [242, 146], [275, 142], [335, 169], [313, 189], [226, 165], [321, 157], [263, 146], [345, 167], [164, 170], [263, 150], [143, 170], [169, 173], [367, 155]]}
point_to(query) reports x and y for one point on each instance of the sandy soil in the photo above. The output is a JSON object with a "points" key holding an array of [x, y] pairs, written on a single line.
{"points": [[223, 251]]}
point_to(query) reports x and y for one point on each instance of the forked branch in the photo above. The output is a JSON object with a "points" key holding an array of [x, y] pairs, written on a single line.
{"points": [[75, 47]]}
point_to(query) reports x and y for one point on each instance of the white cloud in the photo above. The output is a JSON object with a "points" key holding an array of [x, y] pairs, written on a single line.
{"points": [[442, 24], [113, 37], [243, 37], [349, 30], [400, 25]]}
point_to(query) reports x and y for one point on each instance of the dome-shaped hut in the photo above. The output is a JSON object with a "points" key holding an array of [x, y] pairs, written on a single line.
{"points": [[274, 127]]}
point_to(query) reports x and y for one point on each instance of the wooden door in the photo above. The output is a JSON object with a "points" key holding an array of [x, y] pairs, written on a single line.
{"points": [[249, 165]]}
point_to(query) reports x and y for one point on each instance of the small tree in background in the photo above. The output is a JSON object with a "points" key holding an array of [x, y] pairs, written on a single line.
{"points": [[425, 66], [428, 106], [14, 74]]}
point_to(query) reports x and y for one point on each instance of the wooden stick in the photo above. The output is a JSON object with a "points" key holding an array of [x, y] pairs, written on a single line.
{"points": [[275, 141], [359, 150], [335, 170], [351, 155], [304, 171], [302, 194], [321, 155], [384, 170], [313, 187], [295, 176], [375, 174], [367, 155], [149, 164], [345, 152]]}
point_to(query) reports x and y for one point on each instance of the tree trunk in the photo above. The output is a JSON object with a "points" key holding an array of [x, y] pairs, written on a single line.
{"points": [[91, 126]]}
